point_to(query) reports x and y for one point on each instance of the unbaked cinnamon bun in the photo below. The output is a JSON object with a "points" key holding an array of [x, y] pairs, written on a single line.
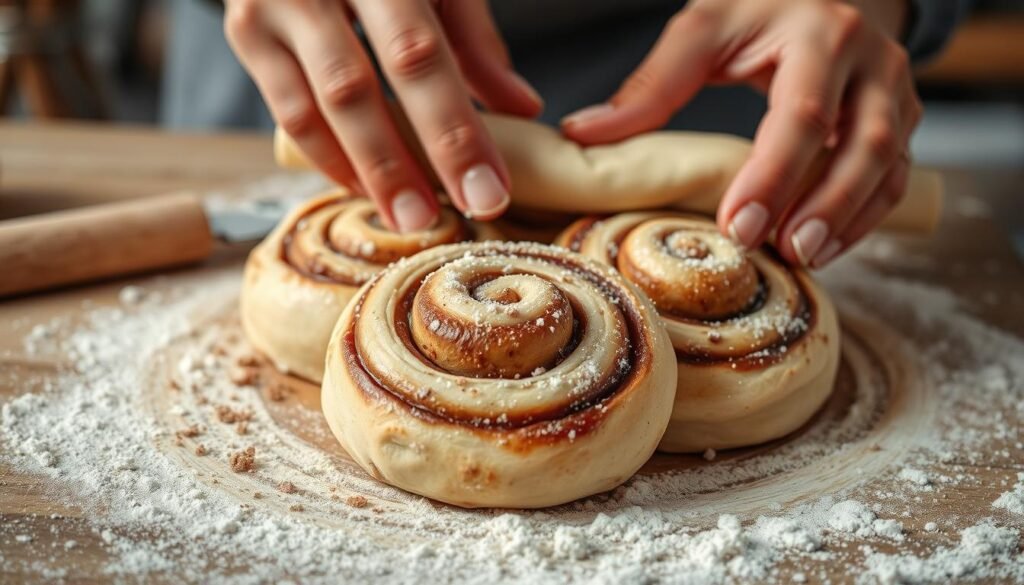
{"points": [[302, 276], [499, 374], [756, 341]]}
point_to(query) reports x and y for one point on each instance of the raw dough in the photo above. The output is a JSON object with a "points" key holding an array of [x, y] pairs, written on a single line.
{"points": [[688, 170], [499, 374], [757, 342], [300, 278]]}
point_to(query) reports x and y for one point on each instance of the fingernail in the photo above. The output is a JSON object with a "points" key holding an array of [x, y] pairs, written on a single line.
{"points": [[483, 191], [808, 238], [525, 85], [588, 113], [411, 211], [827, 253], [748, 223]]}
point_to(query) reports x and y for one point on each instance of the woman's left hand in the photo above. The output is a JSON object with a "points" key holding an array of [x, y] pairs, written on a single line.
{"points": [[835, 78]]}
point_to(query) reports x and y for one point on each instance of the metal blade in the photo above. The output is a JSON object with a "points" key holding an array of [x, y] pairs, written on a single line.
{"points": [[248, 223]]}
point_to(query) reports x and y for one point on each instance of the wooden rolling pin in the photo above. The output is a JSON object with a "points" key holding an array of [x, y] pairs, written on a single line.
{"points": [[44, 251], [690, 171]]}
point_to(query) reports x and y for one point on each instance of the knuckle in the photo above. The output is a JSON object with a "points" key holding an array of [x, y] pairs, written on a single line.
{"points": [[240, 17], [812, 113], [345, 83], [892, 195], [893, 191], [414, 52], [848, 26], [775, 182], [300, 120], [897, 63], [381, 169], [880, 140], [844, 198], [457, 141], [641, 81], [847, 18], [899, 55], [916, 111]]}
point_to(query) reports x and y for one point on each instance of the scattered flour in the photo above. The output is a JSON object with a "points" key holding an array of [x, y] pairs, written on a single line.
{"points": [[1013, 500], [98, 429], [985, 551]]}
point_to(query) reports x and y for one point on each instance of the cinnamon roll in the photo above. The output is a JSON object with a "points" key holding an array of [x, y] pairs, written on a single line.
{"points": [[302, 276], [499, 374], [757, 342]]}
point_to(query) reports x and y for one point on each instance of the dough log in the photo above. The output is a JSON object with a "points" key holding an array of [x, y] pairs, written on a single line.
{"points": [[686, 170]]}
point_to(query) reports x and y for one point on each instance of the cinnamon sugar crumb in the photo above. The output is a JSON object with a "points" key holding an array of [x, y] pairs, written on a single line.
{"points": [[228, 415], [242, 461], [201, 450], [242, 428], [277, 392], [287, 487], [296, 508], [357, 501], [243, 376], [257, 495], [247, 360], [187, 433]]}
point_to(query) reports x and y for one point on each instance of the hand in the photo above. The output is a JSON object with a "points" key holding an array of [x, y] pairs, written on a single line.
{"points": [[321, 88], [834, 78]]}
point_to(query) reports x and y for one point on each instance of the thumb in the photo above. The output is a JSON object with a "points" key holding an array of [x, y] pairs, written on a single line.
{"points": [[672, 73]]}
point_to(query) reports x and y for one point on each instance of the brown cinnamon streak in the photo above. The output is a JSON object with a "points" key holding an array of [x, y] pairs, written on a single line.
{"points": [[523, 431]]}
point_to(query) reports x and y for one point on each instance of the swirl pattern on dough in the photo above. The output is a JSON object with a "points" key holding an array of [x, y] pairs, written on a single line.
{"points": [[303, 275], [756, 342], [499, 374]]}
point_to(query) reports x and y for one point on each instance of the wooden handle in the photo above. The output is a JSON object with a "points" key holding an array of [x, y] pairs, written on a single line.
{"points": [[80, 245]]}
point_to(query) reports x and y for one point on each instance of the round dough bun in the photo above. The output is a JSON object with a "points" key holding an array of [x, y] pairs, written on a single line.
{"points": [[301, 277], [757, 342], [500, 375]]}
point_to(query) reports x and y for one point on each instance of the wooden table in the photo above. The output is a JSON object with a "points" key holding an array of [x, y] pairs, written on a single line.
{"points": [[49, 167]]}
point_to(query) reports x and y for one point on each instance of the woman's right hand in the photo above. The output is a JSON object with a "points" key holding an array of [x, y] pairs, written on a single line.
{"points": [[321, 88]]}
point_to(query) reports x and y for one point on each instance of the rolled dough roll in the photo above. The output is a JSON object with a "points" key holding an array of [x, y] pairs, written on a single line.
{"points": [[300, 278], [757, 343], [686, 170], [499, 374]]}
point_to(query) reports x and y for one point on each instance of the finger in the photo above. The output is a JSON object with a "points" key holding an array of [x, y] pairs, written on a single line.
{"points": [[882, 201], [804, 101], [416, 59], [877, 137], [483, 59], [353, 104], [671, 74], [288, 96]]}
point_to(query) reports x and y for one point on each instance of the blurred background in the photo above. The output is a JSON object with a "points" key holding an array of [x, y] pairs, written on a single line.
{"points": [[165, 63], [136, 61]]}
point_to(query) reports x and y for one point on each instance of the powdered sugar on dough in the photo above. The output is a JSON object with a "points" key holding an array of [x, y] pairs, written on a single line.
{"points": [[94, 430]]}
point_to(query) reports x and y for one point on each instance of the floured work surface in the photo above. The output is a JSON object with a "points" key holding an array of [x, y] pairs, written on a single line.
{"points": [[141, 439]]}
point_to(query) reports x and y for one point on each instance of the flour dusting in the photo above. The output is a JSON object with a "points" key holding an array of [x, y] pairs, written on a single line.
{"points": [[128, 453]]}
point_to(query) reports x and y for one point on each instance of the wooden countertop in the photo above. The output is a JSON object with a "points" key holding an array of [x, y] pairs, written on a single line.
{"points": [[47, 167]]}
